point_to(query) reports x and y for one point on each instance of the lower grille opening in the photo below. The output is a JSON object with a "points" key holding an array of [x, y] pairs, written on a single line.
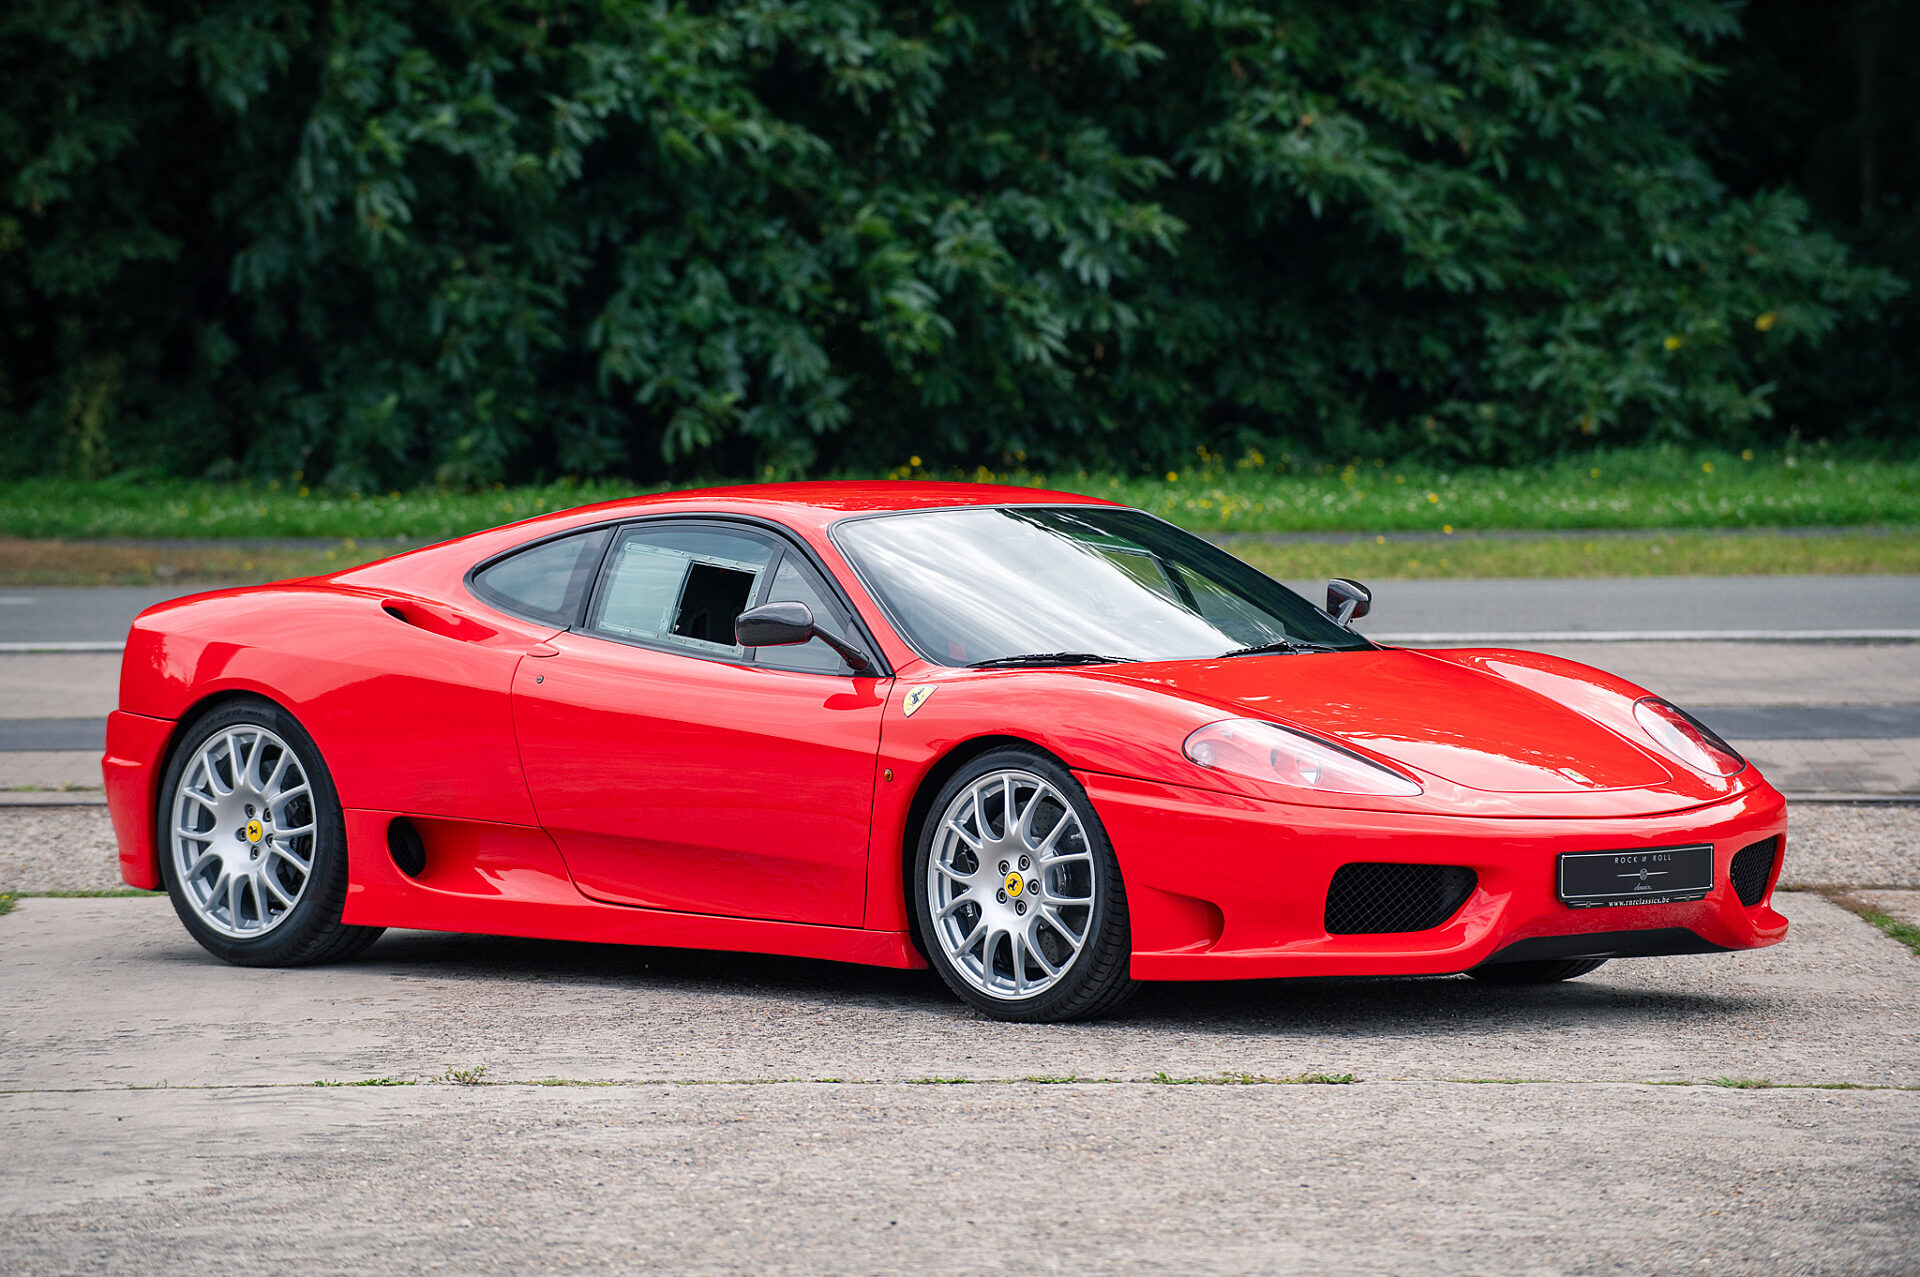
{"points": [[1752, 866], [1367, 898]]}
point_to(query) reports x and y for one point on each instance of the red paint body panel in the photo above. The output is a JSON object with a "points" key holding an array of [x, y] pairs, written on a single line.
{"points": [[572, 787], [130, 770], [508, 880], [701, 786], [1263, 871]]}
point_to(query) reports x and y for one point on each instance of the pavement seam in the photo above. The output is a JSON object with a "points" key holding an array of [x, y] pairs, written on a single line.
{"points": [[1719, 1083]]}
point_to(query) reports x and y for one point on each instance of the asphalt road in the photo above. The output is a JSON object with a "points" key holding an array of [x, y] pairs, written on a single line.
{"points": [[1785, 604], [691, 1112]]}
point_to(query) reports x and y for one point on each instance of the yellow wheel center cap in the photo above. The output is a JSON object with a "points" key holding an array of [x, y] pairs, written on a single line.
{"points": [[254, 831], [1015, 885]]}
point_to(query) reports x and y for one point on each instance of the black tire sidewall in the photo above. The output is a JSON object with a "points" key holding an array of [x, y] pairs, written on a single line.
{"points": [[1108, 927], [320, 904]]}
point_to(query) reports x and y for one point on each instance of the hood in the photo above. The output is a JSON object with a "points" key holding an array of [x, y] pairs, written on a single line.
{"points": [[1499, 722]]}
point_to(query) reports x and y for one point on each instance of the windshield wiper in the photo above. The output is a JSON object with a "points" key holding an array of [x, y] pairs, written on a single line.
{"points": [[1047, 658], [1281, 645]]}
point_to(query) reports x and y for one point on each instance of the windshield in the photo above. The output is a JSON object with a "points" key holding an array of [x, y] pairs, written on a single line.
{"points": [[990, 584]]}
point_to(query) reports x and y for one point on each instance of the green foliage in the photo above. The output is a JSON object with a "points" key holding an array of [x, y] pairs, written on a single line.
{"points": [[370, 243]]}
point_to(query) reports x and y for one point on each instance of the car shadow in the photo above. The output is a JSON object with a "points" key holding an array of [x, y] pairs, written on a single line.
{"points": [[1428, 1005]]}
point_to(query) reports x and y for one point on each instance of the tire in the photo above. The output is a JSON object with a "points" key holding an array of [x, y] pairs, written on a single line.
{"points": [[1551, 971], [257, 873], [1046, 938]]}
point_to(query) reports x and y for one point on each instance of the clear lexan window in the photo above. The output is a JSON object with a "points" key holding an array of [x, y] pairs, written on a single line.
{"points": [[671, 586]]}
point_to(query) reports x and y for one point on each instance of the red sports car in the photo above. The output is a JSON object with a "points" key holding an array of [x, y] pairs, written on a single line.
{"points": [[1049, 745]]}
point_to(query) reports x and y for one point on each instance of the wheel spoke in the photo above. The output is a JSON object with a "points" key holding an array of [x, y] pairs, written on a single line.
{"points": [[1058, 922], [304, 866], [279, 769], [954, 906], [214, 786], [1040, 954], [250, 769], [972, 938], [266, 879], [973, 844]]}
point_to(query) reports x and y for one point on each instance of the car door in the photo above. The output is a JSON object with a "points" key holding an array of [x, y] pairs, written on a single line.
{"points": [[680, 771]]}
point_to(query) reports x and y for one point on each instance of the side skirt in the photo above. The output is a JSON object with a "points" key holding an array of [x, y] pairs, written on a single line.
{"points": [[509, 880]]}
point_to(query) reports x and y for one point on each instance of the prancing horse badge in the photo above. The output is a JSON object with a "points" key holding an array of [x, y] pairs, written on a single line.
{"points": [[916, 697]]}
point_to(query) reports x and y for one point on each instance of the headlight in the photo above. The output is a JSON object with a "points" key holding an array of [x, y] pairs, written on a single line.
{"points": [[1687, 738], [1261, 751]]}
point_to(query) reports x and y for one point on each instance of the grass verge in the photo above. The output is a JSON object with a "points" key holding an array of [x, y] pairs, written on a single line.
{"points": [[1905, 933], [1635, 488], [1662, 554], [26, 562], [10, 898]]}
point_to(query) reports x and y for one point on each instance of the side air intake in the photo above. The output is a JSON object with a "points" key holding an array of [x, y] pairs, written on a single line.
{"points": [[1369, 898], [1752, 869]]}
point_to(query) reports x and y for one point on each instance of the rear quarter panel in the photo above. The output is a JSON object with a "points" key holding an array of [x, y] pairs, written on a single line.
{"points": [[408, 718]]}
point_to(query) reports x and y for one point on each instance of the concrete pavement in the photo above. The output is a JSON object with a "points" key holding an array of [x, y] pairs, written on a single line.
{"points": [[695, 1112]]}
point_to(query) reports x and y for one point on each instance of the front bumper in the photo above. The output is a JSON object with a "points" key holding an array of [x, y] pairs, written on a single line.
{"points": [[1221, 887]]}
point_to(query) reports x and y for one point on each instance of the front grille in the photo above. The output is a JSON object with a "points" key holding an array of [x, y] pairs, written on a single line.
{"points": [[1368, 897], [1752, 866]]}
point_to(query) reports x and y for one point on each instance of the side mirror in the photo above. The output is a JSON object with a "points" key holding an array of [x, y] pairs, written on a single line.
{"points": [[1348, 601], [784, 624], [774, 625]]}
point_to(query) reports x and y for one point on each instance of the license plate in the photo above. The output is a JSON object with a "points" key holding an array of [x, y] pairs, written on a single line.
{"points": [[1662, 876]]}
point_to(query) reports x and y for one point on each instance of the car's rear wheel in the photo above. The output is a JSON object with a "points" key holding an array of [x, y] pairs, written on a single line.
{"points": [[1549, 972], [253, 844], [1018, 893]]}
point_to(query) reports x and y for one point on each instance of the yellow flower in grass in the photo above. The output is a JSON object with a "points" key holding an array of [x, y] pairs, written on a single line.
{"points": [[1766, 320], [1673, 342]]}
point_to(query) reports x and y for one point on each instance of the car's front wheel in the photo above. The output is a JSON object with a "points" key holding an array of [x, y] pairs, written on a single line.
{"points": [[1018, 893], [253, 844]]}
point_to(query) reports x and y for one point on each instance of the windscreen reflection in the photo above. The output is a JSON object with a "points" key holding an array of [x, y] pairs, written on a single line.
{"points": [[984, 583]]}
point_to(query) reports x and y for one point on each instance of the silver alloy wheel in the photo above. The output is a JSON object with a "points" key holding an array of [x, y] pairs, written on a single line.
{"points": [[243, 831], [1011, 885]]}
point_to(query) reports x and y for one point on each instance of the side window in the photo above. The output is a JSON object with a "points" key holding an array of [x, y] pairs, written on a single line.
{"points": [[682, 586], [548, 582], [795, 582]]}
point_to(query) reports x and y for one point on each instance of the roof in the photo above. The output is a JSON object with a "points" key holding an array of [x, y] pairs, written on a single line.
{"points": [[817, 504]]}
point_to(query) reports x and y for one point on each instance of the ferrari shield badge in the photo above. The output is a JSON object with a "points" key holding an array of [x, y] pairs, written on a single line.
{"points": [[916, 697]]}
